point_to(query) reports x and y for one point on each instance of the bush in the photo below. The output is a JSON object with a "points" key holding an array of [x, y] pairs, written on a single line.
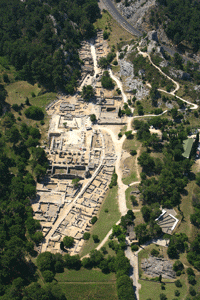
{"points": [[106, 81], [105, 35], [129, 134], [134, 247], [93, 220], [133, 152], [133, 200], [192, 291], [178, 273], [163, 297], [162, 286], [33, 95], [178, 283], [93, 118], [95, 238], [119, 135], [113, 180], [190, 271], [178, 266], [191, 279], [6, 78], [176, 293], [86, 236], [154, 252], [34, 113], [68, 241], [115, 62], [48, 276], [16, 107]]}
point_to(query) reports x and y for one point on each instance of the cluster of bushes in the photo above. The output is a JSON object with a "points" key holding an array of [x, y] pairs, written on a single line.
{"points": [[106, 81], [105, 61], [166, 188], [193, 255], [87, 92], [178, 244], [113, 180], [34, 113]]}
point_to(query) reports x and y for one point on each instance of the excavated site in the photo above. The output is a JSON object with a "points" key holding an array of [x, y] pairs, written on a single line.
{"points": [[77, 150]]}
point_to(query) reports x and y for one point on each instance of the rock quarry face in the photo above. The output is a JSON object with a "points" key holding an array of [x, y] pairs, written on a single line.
{"points": [[131, 83], [136, 10]]}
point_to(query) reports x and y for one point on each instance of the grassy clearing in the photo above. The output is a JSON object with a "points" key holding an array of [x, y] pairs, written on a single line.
{"points": [[89, 291], [152, 290], [84, 275], [128, 200], [18, 91], [105, 220], [187, 209], [117, 33], [131, 144], [130, 163]]}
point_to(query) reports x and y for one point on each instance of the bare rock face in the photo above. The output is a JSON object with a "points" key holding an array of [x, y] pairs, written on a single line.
{"points": [[152, 35], [179, 74], [135, 11], [151, 46]]}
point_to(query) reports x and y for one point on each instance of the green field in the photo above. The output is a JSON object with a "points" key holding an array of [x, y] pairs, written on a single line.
{"points": [[105, 220], [89, 291], [84, 275], [152, 290]]}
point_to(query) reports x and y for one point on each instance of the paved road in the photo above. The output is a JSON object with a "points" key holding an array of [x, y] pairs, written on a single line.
{"points": [[120, 19], [130, 28]]}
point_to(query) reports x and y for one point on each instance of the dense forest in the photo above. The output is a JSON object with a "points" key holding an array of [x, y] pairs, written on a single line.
{"points": [[41, 39], [181, 21]]}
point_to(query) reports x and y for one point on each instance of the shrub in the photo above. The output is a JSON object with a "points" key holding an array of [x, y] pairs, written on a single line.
{"points": [[178, 283], [48, 276], [95, 238], [6, 78], [192, 291], [163, 297], [133, 152], [176, 293], [68, 241], [133, 200], [113, 180], [190, 271], [178, 273], [129, 134], [191, 279], [106, 81], [106, 210], [93, 220], [178, 266], [119, 135], [16, 107], [134, 247], [162, 286], [33, 94], [86, 236], [105, 35], [34, 113], [154, 252], [115, 62], [93, 118]]}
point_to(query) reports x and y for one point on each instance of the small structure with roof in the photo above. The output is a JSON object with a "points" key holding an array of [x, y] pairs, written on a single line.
{"points": [[187, 146]]}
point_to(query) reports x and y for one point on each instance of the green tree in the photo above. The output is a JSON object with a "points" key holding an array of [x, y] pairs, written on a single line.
{"points": [[68, 241], [87, 92], [48, 276], [45, 261]]}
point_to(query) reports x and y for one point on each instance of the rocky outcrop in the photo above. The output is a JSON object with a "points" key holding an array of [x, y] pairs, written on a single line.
{"points": [[179, 74], [135, 10]]}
